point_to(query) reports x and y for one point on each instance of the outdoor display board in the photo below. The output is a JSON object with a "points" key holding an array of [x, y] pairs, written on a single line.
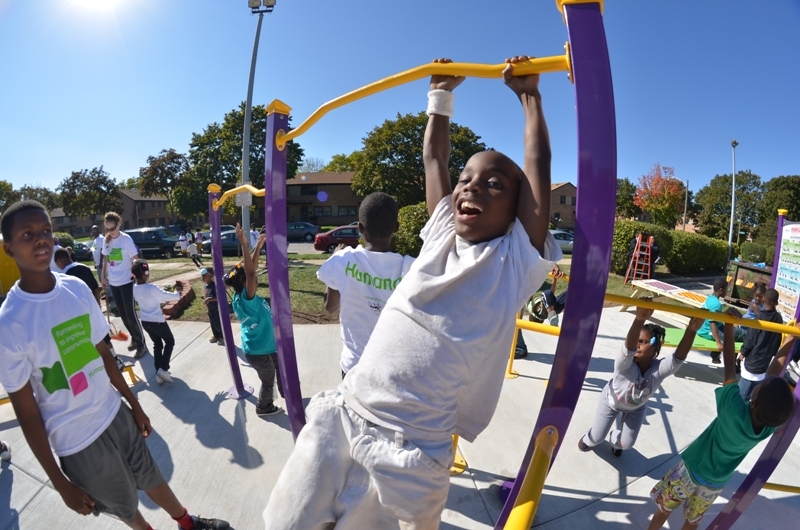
{"points": [[787, 274]]}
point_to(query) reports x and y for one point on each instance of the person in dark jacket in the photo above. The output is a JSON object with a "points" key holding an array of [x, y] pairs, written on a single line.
{"points": [[759, 346]]}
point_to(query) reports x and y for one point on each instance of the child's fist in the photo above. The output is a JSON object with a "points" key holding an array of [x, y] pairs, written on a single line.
{"points": [[445, 82], [524, 84]]}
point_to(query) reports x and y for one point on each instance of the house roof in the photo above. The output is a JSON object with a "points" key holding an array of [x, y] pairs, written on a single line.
{"points": [[135, 196], [57, 212], [559, 184], [322, 177]]}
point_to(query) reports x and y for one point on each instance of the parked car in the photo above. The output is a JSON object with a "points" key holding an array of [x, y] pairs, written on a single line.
{"points": [[230, 244], [154, 242], [564, 240], [82, 252], [328, 241], [301, 231]]}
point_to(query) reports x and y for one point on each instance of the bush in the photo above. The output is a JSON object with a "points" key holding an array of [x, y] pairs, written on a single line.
{"points": [[695, 253], [411, 218], [754, 252], [624, 231], [64, 239], [769, 256]]}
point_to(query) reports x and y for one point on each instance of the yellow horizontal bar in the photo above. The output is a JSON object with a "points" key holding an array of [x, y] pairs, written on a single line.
{"points": [[781, 487], [521, 516], [240, 189], [539, 328], [702, 313], [556, 63]]}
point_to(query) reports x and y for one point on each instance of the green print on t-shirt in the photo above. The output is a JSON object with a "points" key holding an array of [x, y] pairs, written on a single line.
{"points": [[74, 342], [385, 284], [115, 255]]}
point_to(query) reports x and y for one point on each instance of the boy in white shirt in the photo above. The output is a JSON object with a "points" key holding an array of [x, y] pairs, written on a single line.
{"points": [[150, 297], [65, 387], [360, 280], [192, 249], [377, 453]]}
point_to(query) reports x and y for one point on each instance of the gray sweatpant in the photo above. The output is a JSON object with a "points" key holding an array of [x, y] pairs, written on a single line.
{"points": [[604, 419]]}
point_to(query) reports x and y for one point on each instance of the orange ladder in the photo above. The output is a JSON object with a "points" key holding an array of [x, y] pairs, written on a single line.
{"points": [[639, 267]]}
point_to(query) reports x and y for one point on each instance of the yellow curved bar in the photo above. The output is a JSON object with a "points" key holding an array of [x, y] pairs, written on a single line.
{"points": [[510, 372], [702, 313], [556, 63], [239, 189], [521, 516], [781, 487]]}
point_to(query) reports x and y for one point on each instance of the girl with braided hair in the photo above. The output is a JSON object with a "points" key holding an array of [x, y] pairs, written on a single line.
{"points": [[638, 372]]}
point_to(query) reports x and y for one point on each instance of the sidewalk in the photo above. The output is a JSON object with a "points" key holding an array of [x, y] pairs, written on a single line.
{"points": [[222, 460]]}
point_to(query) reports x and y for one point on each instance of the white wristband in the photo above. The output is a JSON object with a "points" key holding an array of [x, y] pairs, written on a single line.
{"points": [[440, 102]]}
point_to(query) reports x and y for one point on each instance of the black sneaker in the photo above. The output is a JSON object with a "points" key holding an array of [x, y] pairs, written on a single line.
{"points": [[715, 357], [209, 524], [520, 353], [616, 452], [141, 352], [271, 411], [131, 346]]}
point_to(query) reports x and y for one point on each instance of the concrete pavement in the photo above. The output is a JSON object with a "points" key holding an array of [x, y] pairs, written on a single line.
{"points": [[222, 460]]}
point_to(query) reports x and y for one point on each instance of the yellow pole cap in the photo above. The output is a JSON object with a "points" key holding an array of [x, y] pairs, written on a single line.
{"points": [[279, 107], [783, 212], [214, 188]]}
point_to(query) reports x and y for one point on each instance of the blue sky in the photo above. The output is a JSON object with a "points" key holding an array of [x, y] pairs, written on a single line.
{"points": [[85, 83]]}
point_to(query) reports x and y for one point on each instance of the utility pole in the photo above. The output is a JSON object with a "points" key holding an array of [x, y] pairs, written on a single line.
{"points": [[734, 143]]}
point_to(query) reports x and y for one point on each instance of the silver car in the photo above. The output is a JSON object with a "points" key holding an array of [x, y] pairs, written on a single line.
{"points": [[564, 240]]}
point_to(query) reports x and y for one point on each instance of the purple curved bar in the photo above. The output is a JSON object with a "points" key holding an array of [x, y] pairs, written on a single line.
{"points": [[597, 183], [275, 216], [215, 220]]}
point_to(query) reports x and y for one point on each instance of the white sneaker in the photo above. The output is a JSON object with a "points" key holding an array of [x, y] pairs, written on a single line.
{"points": [[795, 366], [552, 317], [163, 376], [5, 451]]}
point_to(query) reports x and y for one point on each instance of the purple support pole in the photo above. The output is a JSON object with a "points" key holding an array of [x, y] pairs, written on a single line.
{"points": [[597, 183], [238, 390], [776, 258], [278, 269], [762, 470]]}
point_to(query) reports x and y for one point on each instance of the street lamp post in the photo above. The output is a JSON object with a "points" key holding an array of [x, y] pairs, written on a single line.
{"points": [[256, 7], [734, 143]]}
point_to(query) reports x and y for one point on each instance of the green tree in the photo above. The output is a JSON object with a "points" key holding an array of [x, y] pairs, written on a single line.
{"points": [[781, 192], [131, 183], [661, 195], [39, 193], [626, 191], [392, 158], [341, 163], [89, 192], [162, 175], [713, 213], [312, 164], [215, 156], [7, 195]]}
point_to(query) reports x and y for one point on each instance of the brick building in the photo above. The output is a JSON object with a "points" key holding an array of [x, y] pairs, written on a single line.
{"points": [[563, 198], [75, 226], [324, 198]]}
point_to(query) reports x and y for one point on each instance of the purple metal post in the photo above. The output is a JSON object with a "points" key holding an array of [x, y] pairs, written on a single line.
{"points": [[275, 216], [762, 470], [776, 258], [238, 390], [597, 183]]}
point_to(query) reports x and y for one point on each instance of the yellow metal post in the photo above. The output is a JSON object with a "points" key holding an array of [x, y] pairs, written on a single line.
{"points": [[521, 516], [459, 464], [510, 372]]}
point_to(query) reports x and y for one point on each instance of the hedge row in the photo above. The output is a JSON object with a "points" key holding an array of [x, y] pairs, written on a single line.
{"points": [[411, 219], [624, 231], [758, 252], [64, 239]]}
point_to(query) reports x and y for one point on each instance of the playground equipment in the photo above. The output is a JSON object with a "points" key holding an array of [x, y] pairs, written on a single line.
{"points": [[587, 63]]}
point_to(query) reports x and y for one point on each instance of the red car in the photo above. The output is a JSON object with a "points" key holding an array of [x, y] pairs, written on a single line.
{"points": [[328, 241]]}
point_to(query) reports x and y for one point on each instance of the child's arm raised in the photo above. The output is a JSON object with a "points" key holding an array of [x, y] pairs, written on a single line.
{"points": [[250, 264], [642, 314], [436, 145], [688, 338], [782, 357], [729, 349], [533, 206], [32, 425]]}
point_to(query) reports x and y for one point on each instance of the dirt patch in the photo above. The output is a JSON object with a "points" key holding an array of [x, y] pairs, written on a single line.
{"points": [[314, 317]]}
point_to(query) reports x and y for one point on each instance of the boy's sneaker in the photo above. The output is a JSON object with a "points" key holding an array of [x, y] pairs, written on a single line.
{"points": [[131, 346], [163, 376], [212, 340], [552, 317], [141, 352], [5, 451], [201, 523], [715, 357], [221, 342], [616, 452], [520, 353], [271, 411]]}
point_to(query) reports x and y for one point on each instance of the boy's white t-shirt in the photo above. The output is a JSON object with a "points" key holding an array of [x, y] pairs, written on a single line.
{"points": [[49, 340], [120, 253], [182, 242], [97, 248], [192, 249], [150, 297], [435, 361], [365, 280]]}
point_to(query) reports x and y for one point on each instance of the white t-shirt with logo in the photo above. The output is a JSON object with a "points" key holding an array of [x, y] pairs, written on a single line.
{"points": [[182, 242], [365, 280], [97, 248], [435, 361], [120, 253], [49, 340], [150, 297]]}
